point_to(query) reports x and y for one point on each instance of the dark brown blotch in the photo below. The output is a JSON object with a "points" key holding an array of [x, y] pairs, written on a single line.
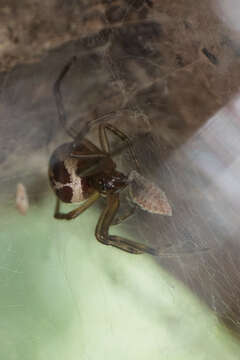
{"points": [[210, 56], [65, 194], [115, 14], [60, 173], [57, 169], [137, 4]]}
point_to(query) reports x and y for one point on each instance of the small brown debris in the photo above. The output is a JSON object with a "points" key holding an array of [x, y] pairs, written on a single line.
{"points": [[22, 202]]}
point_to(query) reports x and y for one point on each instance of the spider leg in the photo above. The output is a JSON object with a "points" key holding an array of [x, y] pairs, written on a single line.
{"points": [[104, 223], [60, 107], [119, 219], [131, 246], [94, 151], [79, 210], [87, 156], [103, 139], [61, 110], [58, 97], [105, 142], [96, 166]]}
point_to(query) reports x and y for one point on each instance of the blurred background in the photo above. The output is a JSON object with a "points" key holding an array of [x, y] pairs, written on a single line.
{"points": [[168, 74]]}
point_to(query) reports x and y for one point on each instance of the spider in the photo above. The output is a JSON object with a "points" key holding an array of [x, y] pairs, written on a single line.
{"points": [[81, 172]]}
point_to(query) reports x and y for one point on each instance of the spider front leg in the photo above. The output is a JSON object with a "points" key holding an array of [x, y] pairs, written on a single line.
{"points": [[102, 230], [61, 110], [79, 210], [58, 97], [105, 145]]}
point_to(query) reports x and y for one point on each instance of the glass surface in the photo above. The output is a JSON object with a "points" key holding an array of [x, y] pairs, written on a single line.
{"points": [[173, 89]]}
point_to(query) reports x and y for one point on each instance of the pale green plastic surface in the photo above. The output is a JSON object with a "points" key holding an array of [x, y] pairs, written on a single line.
{"points": [[65, 296]]}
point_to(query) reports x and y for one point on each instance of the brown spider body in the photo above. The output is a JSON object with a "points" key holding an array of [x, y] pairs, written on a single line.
{"points": [[65, 173], [81, 172]]}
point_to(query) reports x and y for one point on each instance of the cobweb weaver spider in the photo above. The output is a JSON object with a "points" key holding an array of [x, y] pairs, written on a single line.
{"points": [[80, 171]]}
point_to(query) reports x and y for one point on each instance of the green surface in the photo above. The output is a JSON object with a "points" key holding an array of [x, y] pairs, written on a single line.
{"points": [[65, 296]]}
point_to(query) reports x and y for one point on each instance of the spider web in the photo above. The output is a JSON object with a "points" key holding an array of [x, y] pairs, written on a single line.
{"points": [[131, 65], [152, 84]]}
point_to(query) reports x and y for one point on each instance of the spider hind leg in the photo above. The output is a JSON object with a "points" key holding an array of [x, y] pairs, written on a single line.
{"points": [[131, 246], [102, 230]]}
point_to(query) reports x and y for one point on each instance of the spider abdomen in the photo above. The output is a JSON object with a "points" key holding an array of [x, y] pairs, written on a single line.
{"points": [[63, 175]]}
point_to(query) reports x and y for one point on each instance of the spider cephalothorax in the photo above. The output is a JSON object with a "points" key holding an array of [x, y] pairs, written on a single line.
{"points": [[80, 171], [66, 174]]}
